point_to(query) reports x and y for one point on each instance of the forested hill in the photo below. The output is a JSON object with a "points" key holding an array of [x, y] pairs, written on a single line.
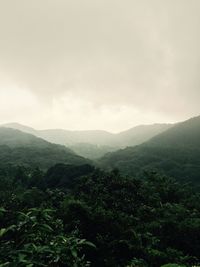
{"points": [[183, 134], [141, 133], [18, 148], [95, 143], [174, 152], [69, 215]]}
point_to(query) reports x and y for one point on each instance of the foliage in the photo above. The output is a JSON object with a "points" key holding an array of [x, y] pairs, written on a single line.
{"points": [[172, 265], [37, 239], [131, 222]]}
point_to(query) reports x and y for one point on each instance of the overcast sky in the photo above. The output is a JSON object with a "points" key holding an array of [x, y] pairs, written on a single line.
{"points": [[99, 64]]}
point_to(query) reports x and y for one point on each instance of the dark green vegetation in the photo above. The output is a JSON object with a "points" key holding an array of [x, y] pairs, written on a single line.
{"points": [[175, 152], [58, 210], [95, 144], [18, 148], [80, 216]]}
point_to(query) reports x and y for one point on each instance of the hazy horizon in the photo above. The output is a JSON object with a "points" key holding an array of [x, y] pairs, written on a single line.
{"points": [[113, 132], [99, 65], [11, 122]]}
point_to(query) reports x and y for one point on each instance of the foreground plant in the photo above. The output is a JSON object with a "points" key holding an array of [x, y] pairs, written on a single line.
{"points": [[37, 239]]}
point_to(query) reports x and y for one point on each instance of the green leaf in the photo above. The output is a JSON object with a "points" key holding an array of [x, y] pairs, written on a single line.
{"points": [[74, 253], [2, 210], [2, 231]]}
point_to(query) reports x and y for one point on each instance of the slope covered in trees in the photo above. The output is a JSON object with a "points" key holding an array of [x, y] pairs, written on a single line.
{"points": [[18, 148], [95, 144], [174, 152], [75, 215], [102, 220], [140, 134]]}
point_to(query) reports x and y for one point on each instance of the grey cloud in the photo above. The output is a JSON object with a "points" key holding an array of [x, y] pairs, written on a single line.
{"points": [[139, 54]]}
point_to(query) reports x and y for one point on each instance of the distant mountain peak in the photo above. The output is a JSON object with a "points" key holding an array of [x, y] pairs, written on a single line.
{"points": [[19, 126]]}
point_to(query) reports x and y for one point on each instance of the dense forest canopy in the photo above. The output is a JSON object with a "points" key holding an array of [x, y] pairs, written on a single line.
{"points": [[60, 209], [81, 216]]}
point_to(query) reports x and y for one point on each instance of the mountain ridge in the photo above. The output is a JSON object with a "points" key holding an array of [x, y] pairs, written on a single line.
{"points": [[19, 148], [175, 152], [95, 143]]}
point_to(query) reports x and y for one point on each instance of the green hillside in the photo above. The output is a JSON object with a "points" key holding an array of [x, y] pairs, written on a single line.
{"points": [[95, 143], [174, 152], [18, 148], [140, 134]]}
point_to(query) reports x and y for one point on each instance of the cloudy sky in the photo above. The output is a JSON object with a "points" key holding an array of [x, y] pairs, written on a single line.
{"points": [[99, 64]]}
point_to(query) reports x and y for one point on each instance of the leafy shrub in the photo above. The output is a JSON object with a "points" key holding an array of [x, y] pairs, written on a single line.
{"points": [[37, 239]]}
